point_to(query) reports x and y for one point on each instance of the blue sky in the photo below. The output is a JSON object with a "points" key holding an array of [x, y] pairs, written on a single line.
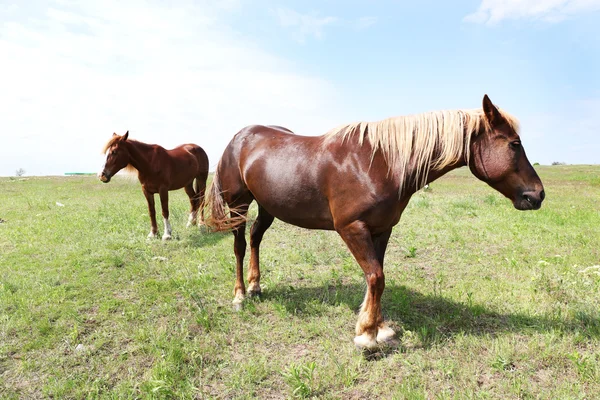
{"points": [[74, 72]]}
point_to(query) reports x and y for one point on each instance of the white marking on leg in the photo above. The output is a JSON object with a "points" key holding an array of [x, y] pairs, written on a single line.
{"points": [[167, 234], [239, 298], [192, 219], [238, 301]]}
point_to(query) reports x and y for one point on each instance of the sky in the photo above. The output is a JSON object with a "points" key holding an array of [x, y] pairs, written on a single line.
{"points": [[174, 72]]}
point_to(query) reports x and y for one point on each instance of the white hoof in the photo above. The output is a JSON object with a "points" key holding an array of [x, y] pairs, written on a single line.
{"points": [[166, 237], [190, 223], [365, 341], [385, 334], [151, 235], [238, 302]]}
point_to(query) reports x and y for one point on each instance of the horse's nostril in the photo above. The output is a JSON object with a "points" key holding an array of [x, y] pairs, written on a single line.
{"points": [[542, 195], [527, 198]]}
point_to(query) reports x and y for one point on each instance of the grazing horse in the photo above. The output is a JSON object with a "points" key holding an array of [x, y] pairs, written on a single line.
{"points": [[357, 180], [159, 171]]}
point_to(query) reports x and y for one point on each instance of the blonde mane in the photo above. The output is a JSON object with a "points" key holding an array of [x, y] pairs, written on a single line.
{"points": [[424, 141], [129, 168]]}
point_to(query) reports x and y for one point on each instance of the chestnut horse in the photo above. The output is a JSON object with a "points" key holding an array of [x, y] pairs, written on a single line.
{"points": [[357, 180], [159, 171]]}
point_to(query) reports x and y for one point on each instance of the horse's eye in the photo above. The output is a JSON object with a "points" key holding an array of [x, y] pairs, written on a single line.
{"points": [[515, 144], [112, 153]]}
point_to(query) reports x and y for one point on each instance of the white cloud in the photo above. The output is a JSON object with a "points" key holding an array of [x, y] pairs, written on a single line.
{"points": [[493, 11], [303, 25], [74, 72]]}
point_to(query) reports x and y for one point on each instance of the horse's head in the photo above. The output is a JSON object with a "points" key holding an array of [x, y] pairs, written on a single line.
{"points": [[498, 158], [117, 157]]}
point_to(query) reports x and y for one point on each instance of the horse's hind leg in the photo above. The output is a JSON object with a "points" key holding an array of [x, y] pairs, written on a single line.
{"points": [[262, 223], [239, 248], [194, 204], [200, 189]]}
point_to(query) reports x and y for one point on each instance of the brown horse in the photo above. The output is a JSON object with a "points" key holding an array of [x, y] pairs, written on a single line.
{"points": [[159, 171], [357, 180]]}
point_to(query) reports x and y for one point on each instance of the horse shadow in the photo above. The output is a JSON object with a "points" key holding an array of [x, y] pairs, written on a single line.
{"points": [[203, 237], [432, 318]]}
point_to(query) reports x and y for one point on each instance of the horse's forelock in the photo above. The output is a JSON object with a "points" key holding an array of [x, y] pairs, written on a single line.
{"points": [[110, 143]]}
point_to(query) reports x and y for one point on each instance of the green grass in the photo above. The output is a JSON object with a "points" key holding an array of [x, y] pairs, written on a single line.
{"points": [[489, 302]]}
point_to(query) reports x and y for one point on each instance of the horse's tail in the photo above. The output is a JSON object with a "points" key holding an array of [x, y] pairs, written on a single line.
{"points": [[214, 208], [201, 173]]}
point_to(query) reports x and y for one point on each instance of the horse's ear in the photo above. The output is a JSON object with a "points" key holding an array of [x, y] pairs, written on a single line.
{"points": [[114, 134], [491, 112], [125, 135]]}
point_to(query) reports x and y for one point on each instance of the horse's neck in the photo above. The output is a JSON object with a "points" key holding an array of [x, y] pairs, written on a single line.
{"points": [[435, 174], [411, 180], [140, 155]]}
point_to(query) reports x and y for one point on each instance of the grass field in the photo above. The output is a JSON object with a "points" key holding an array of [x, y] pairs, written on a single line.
{"points": [[489, 302]]}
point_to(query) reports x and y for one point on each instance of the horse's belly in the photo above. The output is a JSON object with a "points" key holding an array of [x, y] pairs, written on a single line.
{"points": [[309, 222], [307, 209]]}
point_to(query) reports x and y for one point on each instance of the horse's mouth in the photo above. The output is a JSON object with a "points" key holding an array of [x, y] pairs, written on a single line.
{"points": [[527, 202], [104, 178]]}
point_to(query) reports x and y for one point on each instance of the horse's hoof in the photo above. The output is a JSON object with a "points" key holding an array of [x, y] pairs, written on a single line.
{"points": [[254, 290], [151, 235], [365, 342], [386, 335], [166, 237]]}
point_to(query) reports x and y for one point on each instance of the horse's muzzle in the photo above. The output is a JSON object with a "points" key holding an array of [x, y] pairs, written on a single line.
{"points": [[530, 200], [103, 177]]}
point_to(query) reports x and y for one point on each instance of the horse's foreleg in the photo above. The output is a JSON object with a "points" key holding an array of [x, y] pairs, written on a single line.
{"points": [[194, 203], [361, 244], [380, 241], [262, 223], [164, 203], [152, 211]]}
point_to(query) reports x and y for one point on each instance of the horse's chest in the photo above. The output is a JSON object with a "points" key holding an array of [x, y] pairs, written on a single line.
{"points": [[150, 187]]}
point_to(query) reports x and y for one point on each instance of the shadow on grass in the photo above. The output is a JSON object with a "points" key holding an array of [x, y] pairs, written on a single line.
{"points": [[202, 237], [433, 318]]}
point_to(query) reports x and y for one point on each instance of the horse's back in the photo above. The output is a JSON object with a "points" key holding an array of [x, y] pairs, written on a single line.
{"points": [[192, 152], [268, 144], [280, 128]]}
